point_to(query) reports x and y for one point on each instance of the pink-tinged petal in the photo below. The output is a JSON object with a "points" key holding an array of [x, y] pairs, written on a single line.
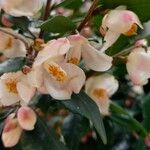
{"points": [[95, 59], [26, 118], [121, 21], [141, 42], [76, 77], [11, 132], [17, 49], [42, 90], [55, 90], [110, 38], [25, 91], [138, 66], [74, 54], [20, 7], [52, 49], [35, 77]]}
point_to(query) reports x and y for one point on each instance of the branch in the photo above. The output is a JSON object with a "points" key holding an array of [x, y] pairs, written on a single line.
{"points": [[88, 16], [46, 15]]}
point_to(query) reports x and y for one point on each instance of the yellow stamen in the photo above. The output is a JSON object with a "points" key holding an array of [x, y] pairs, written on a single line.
{"points": [[74, 60], [132, 31], [9, 43], [56, 72], [38, 44], [101, 94], [11, 86]]}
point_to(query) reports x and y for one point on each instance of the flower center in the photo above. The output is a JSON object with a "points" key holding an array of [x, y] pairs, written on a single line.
{"points": [[56, 72], [11, 86], [132, 31], [74, 60], [100, 94], [9, 43]]}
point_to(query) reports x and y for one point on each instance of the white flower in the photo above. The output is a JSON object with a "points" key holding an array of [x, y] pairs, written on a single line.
{"points": [[116, 22], [100, 88], [60, 78], [93, 58], [138, 66], [10, 46], [21, 7], [14, 87]]}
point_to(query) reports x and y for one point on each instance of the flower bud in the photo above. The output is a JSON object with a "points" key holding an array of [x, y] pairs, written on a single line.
{"points": [[141, 42], [11, 132], [26, 118]]}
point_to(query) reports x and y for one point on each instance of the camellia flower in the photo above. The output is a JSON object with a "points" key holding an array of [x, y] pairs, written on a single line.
{"points": [[60, 78], [116, 22], [15, 87], [100, 88], [138, 66], [21, 7], [26, 118], [11, 132], [93, 58], [11, 47]]}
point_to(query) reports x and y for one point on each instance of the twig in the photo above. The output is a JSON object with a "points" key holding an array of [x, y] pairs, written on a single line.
{"points": [[16, 35], [46, 14], [124, 51], [88, 16]]}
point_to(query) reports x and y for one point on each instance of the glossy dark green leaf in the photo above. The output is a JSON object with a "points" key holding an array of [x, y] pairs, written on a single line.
{"points": [[141, 8], [41, 138], [121, 116], [146, 111], [58, 24], [74, 127], [84, 105], [12, 65]]}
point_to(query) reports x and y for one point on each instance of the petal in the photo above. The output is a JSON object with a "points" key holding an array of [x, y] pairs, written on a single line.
{"points": [[53, 49], [55, 90], [20, 7], [35, 77], [76, 77], [11, 132], [17, 49], [26, 118], [103, 106], [96, 60], [74, 54], [110, 38], [138, 66], [25, 91]]}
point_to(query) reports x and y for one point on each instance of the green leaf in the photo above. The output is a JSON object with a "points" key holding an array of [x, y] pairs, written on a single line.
{"points": [[58, 24], [74, 127], [12, 65], [146, 111], [85, 106], [120, 44], [122, 117], [141, 8], [41, 138], [71, 4]]}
